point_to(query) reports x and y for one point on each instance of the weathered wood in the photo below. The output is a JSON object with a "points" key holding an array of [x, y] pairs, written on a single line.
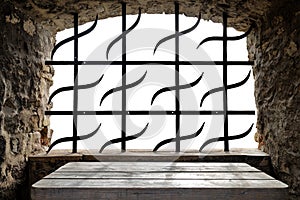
{"points": [[161, 175], [158, 166], [153, 183], [158, 180], [43, 164], [159, 194]]}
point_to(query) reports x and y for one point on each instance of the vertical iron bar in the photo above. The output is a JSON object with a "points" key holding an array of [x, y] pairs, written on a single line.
{"points": [[177, 98], [75, 91], [123, 144], [225, 99]]}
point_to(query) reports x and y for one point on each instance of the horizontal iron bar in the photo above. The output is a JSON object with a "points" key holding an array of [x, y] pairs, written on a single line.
{"points": [[156, 62], [153, 112], [60, 112]]}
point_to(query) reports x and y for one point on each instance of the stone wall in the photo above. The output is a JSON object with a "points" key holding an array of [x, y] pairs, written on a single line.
{"points": [[24, 86], [275, 47], [27, 35]]}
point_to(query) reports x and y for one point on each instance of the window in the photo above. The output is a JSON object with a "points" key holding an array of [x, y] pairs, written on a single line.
{"points": [[154, 128]]}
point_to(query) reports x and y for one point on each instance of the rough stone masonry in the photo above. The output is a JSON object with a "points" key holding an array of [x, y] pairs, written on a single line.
{"points": [[27, 36]]}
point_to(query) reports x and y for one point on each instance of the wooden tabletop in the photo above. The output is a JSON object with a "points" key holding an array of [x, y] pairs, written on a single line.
{"points": [[158, 180]]}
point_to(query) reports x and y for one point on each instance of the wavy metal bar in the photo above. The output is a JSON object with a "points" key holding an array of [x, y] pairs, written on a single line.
{"points": [[219, 38], [229, 138], [127, 138], [73, 37], [68, 88], [131, 85], [125, 32], [222, 88], [188, 85], [59, 90], [186, 137], [181, 33], [70, 139]]}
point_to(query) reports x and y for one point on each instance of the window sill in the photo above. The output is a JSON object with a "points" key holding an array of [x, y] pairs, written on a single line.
{"points": [[43, 164]]}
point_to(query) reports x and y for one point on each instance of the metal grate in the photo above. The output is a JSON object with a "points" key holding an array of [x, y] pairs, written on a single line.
{"points": [[177, 63]]}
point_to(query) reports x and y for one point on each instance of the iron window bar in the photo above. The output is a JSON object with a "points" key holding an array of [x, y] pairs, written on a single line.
{"points": [[177, 63]]}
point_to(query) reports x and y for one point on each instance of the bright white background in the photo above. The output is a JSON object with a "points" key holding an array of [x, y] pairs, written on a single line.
{"points": [[241, 98]]}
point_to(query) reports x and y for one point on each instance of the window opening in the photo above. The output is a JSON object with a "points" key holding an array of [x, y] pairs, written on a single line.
{"points": [[165, 61]]}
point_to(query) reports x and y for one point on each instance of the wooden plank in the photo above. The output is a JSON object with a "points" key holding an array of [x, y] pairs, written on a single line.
{"points": [[125, 180], [161, 169], [154, 166], [161, 175], [145, 184], [180, 164], [154, 194]]}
